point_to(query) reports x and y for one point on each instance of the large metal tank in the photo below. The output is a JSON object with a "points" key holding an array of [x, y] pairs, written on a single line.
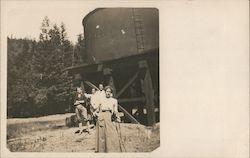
{"points": [[113, 33]]}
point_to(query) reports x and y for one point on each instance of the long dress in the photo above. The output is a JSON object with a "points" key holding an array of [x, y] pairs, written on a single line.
{"points": [[107, 133]]}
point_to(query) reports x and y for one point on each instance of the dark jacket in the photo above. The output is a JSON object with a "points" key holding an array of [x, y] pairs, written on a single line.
{"points": [[81, 98]]}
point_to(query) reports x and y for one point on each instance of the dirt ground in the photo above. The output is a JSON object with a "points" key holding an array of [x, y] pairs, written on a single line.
{"points": [[49, 134]]}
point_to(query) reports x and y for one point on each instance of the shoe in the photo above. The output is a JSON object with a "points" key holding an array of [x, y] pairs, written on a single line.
{"points": [[85, 131], [78, 131]]}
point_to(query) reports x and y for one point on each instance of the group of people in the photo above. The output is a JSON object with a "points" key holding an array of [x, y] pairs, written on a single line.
{"points": [[101, 107]]}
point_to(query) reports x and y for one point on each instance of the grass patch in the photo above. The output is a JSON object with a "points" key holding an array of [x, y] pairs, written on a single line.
{"points": [[29, 128]]}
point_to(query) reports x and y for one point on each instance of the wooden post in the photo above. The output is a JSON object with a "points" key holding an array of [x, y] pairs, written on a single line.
{"points": [[149, 96], [111, 83], [82, 84], [77, 80], [147, 88], [109, 79]]}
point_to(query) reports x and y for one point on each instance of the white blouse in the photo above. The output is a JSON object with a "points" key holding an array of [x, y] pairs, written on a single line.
{"points": [[109, 104]]}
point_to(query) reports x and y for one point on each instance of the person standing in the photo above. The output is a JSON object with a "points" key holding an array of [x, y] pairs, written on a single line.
{"points": [[94, 103], [107, 138], [101, 93]]}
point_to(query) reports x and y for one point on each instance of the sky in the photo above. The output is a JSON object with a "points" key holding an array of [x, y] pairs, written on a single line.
{"points": [[26, 22]]}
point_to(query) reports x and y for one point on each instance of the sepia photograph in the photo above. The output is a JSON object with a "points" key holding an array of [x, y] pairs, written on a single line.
{"points": [[96, 90], [124, 78]]}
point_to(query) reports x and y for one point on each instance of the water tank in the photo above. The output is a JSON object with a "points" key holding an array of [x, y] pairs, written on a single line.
{"points": [[113, 33]]}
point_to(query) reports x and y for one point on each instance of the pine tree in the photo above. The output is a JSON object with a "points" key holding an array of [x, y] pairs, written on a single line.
{"points": [[80, 56], [21, 79], [45, 29], [54, 58], [37, 82]]}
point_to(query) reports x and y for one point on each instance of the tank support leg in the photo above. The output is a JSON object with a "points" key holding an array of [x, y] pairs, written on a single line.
{"points": [[147, 89], [109, 79]]}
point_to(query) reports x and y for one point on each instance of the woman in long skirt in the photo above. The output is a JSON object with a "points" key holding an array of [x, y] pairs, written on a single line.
{"points": [[108, 139]]}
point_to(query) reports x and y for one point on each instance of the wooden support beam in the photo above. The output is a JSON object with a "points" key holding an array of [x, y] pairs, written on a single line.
{"points": [[107, 72], [91, 85], [148, 90], [83, 88], [82, 84], [137, 99], [127, 62], [127, 85], [143, 64], [149, 96], [112, 84], [99, 67], [129, 116]]}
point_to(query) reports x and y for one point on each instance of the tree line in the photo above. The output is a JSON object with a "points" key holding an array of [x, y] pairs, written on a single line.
{"points": [[36, 82]]}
